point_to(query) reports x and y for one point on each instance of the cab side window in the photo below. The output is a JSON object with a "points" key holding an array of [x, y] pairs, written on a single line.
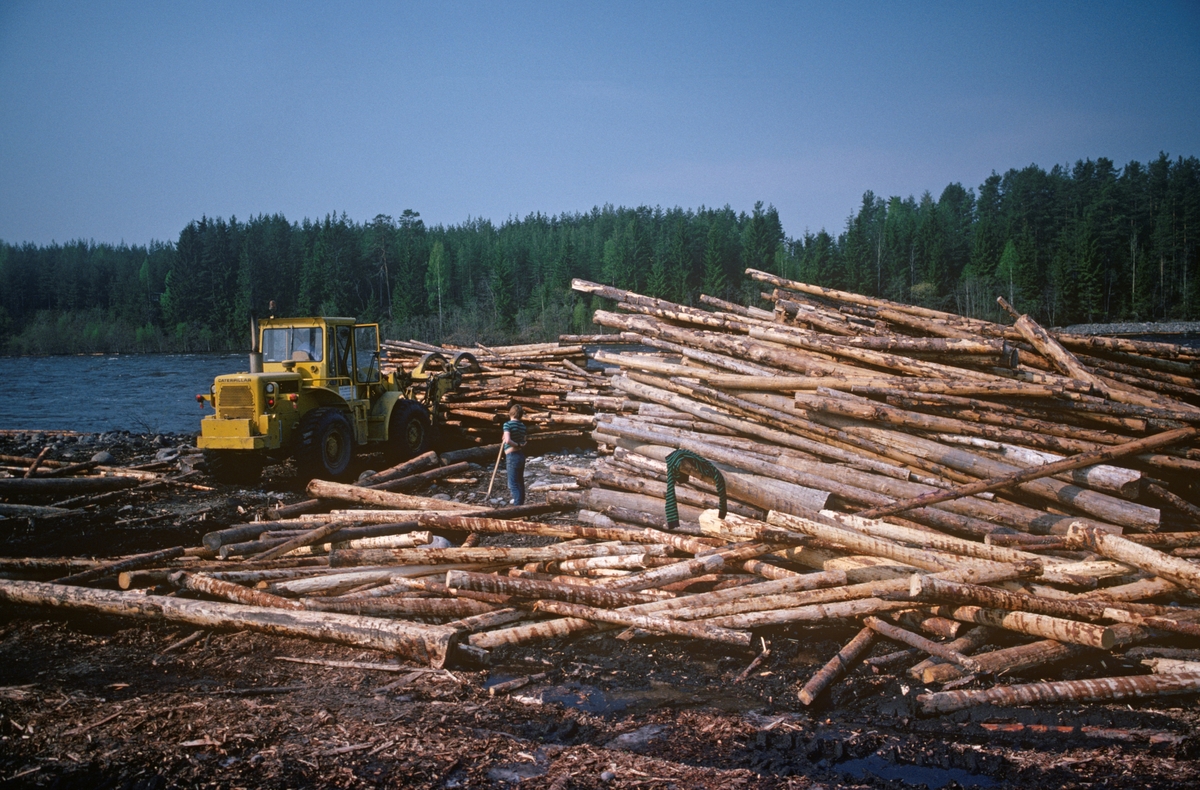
{"points": [[366, 360]]}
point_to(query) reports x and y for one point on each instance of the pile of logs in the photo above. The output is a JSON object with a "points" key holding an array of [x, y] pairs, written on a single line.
{"points": [[992, 498], [550, 380], [959, 472]]}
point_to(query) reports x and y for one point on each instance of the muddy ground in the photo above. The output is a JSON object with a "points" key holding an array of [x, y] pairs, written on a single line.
{"points": [[89, 701]]}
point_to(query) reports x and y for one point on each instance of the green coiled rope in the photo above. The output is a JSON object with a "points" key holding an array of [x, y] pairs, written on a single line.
{"points": [[703, 467]]}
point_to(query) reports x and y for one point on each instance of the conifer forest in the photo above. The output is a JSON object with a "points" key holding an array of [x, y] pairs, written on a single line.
{"points": [[1091, 242]]}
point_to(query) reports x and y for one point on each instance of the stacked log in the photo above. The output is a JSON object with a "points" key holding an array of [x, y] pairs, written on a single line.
{"points": [[550, 380]]}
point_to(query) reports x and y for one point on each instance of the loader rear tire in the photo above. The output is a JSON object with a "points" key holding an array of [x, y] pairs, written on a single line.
{"points": [[410, 432]]}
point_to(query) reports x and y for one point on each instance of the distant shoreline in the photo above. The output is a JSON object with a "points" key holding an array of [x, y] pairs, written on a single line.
{"points": [[127, 354], [1126, 328]]}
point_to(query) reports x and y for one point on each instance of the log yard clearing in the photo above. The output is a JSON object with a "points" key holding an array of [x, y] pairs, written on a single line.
{"points": [[842, 542]]}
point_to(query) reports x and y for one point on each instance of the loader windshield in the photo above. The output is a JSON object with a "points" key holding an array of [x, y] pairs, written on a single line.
{"points": [[301, 343]]}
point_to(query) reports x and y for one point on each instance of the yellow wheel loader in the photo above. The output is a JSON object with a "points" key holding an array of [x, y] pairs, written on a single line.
{"points": [[315, 393]]}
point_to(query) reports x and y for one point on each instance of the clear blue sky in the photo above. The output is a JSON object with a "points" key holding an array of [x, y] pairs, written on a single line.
{"points": [[124, 121]]}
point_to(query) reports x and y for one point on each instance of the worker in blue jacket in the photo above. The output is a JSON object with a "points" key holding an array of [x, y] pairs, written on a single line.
{"points": [[514, 453]]}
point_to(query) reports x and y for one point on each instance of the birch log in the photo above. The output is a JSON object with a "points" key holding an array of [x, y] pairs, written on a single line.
{"points": [[426, 643], [1097, 689]]}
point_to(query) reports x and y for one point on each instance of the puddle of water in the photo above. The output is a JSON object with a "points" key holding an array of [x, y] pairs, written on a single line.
{"points": [[607, 703], [913, 774], [586, 698], [514, 773]]}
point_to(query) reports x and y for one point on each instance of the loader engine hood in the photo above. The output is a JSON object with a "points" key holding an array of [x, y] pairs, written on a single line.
{"points": [[242, 396]]}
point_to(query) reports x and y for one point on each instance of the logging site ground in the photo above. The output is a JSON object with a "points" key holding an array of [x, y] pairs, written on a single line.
{"points": [[99, 701]]}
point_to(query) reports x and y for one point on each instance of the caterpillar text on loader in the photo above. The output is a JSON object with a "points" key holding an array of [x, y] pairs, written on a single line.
{"points": [[315, 393]]}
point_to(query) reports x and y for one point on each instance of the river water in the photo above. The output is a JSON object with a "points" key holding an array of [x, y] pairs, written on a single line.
{"points": [[142, 393]]}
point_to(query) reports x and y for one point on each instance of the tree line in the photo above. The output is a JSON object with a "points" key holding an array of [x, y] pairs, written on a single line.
{"points": [[1090, 242]]}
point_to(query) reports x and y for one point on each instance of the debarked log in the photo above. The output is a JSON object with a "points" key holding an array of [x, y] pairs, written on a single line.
{"points": [[966, 644], [324, 489], [425, 643], [534, 588], [930, 588], [409, 467], [333, 583], [403, 607], [1096, 689], [1175, 569], [1045, 626], [843, 610], [1170, 666], [774, 608], [342, 558], [305, 539], [646, 622], [529, 632]]}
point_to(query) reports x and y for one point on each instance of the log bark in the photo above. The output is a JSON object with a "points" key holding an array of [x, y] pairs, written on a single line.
{"points": [[647, 622], [837, 666], [126, 564], [535, 589], [966, 644], [907, 637], [531, 632], [306, 539], [426, 643], [1008, 479], [1040, 625], [34, 511], [232, 592], [487, 555], [13, 487], [1175, 569], [1094, 690]]}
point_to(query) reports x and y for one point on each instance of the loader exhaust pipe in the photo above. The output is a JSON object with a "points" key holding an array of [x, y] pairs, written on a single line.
{"points": [[256, 361]]}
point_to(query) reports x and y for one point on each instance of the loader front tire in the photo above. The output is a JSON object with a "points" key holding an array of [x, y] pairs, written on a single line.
{"points": [[326, 445]]}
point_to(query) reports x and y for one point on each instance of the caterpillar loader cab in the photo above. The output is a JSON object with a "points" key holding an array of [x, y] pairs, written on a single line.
{"points": [[315, 392]]}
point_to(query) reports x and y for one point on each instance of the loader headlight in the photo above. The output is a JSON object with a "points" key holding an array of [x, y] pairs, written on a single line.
{"points": [[270, 388]]}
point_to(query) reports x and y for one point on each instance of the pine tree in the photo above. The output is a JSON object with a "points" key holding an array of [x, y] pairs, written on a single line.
{"points": [[714, 283]]}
